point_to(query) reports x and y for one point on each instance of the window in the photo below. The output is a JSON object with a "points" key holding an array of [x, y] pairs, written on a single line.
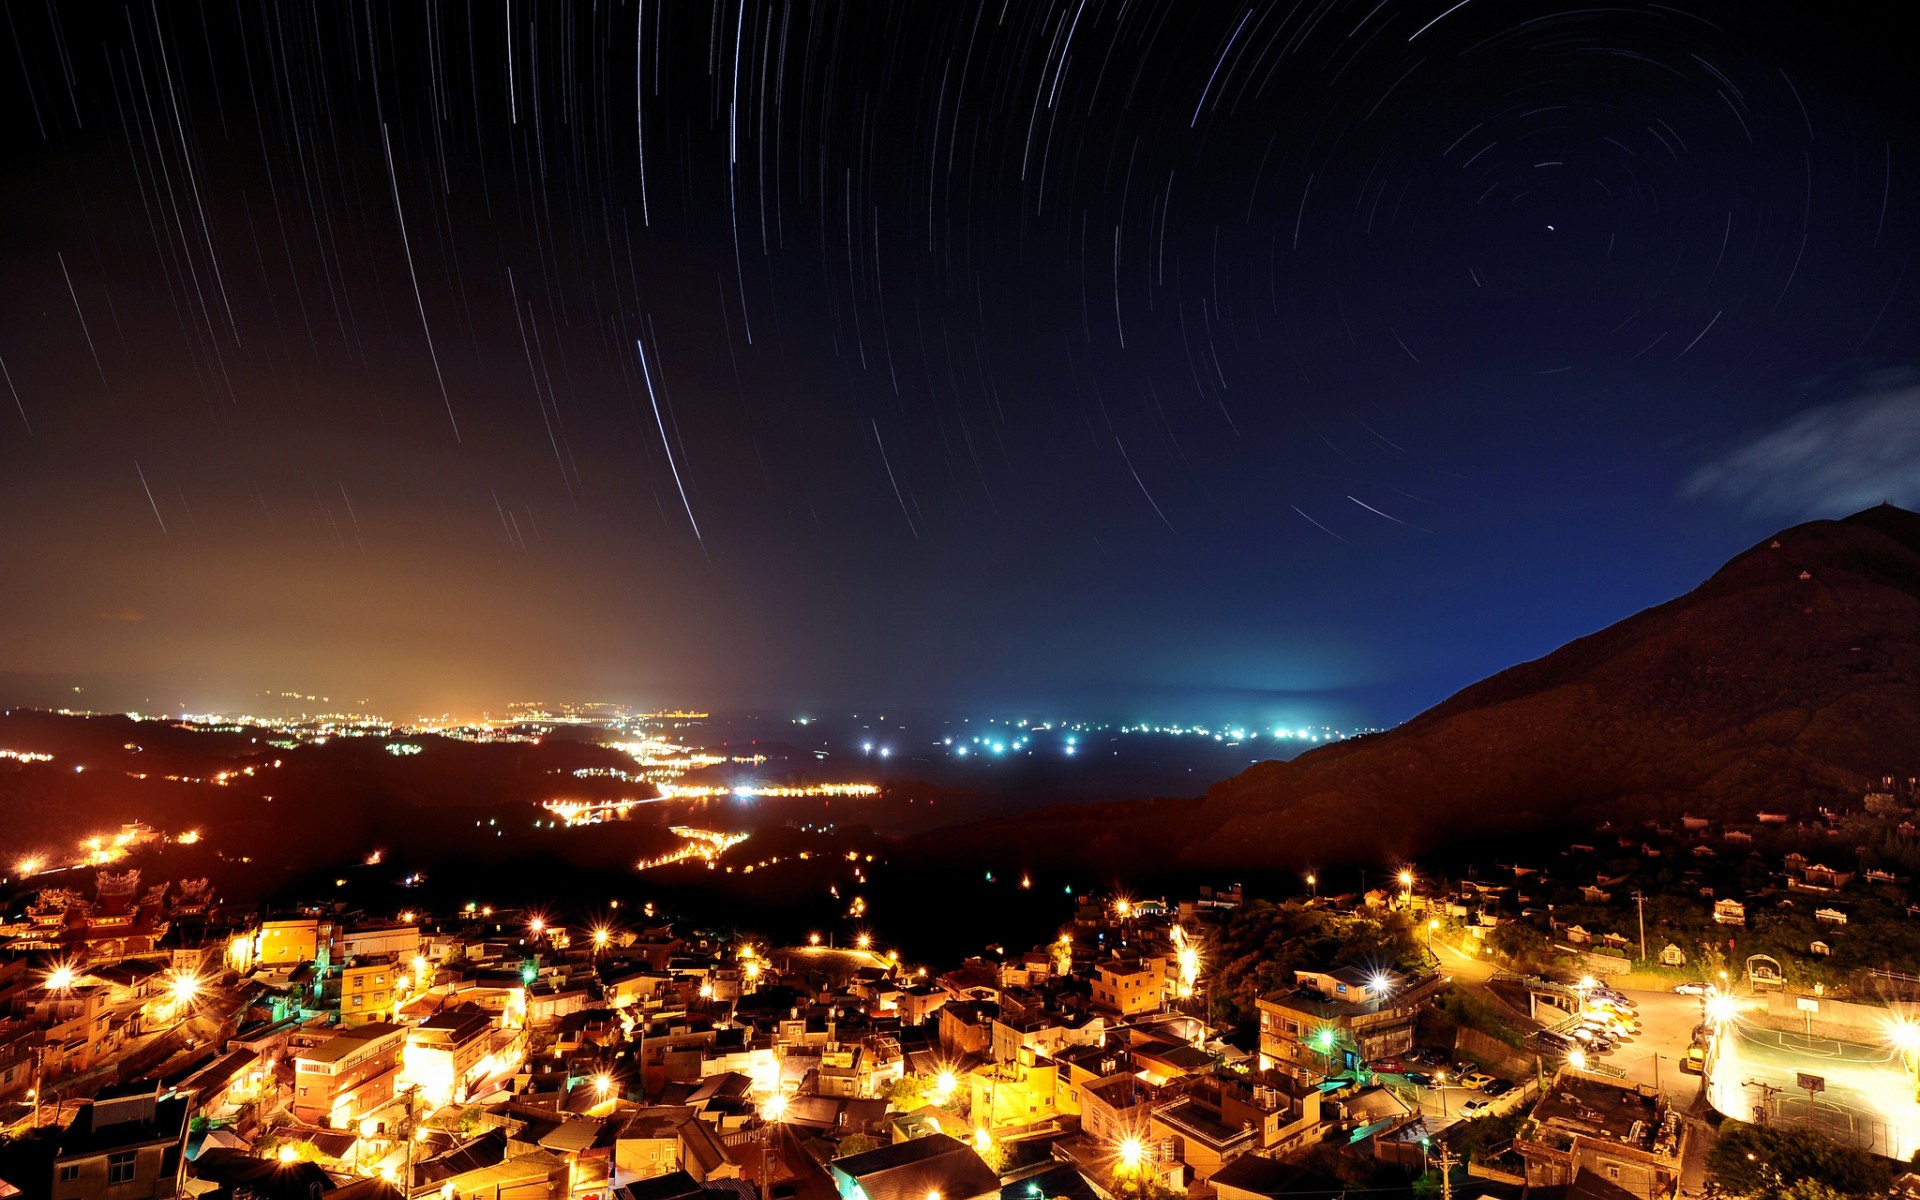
{"points": [[356, 1001], [69, 1173], [120, 1167]]}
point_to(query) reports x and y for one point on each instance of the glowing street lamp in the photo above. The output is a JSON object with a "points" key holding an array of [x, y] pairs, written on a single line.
{"points": [[1313, 884], [60, 978], [1131, 1154], [1577, 1059], [1721, 1008], [864, 941], [184, 988], [1904, 1033], [1324, 1040]]}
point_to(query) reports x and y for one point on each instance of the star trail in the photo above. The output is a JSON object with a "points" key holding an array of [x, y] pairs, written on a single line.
{"points": [[443, 354]]}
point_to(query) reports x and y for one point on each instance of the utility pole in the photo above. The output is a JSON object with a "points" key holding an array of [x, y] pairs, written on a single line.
{"points": [[1766, 1098], [1446, 1160], [1640, 902]]}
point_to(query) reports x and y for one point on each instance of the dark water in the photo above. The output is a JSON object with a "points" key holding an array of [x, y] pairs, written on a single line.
{"points": [[932, 912], [965, 768]]}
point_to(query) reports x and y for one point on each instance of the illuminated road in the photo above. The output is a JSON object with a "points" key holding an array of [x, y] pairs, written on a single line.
{"points": [[1869, 1097]]}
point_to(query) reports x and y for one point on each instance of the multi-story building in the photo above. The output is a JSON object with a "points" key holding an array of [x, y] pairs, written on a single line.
{"points": [[346, 1077], [368, 985], [400, 941], [1342, 1017], [448, 1051], [1130, 985], [1623, 1133], [1012, 1094], [285, 943], [1201, 1137], [20, 1045], [129, 1143]]}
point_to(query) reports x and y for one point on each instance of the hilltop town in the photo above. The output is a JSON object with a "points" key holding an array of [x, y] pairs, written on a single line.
{"points": [[1491, 1037]]}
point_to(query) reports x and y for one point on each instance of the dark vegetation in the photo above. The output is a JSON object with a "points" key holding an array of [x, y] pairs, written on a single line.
{"points": [[1771, 1163], [1257, 949]]}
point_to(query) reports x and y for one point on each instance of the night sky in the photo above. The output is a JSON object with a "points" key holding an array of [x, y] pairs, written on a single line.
{"points": [[1141, 358]]}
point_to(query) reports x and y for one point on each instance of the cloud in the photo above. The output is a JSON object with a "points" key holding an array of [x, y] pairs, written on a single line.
{"points": [[127, 615], [1825, 462]]}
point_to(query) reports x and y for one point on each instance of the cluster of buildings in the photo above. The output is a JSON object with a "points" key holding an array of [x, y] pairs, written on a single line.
{"points": [[324, 1053]]}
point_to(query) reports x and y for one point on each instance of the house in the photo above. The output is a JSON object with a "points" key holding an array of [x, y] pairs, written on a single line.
{"points": [[1592, 894], [1204, 1140], [447, 1051], [1578, 935], [1306, 1026], [1623, 1133], [1251, 1177], [928, 1166], [1116, 1107], [1729, 912], [368, 987], [1830, 916], [348, 1076], [1021, 1092], [649, 1143], [1129, 986], [234, 1174], [284, 943], [704, 1155], [129, 1143]]}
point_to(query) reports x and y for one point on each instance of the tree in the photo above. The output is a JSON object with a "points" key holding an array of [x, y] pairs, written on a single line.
{"points": [[860, 1143], [912, 1090], [1773, 1163]]}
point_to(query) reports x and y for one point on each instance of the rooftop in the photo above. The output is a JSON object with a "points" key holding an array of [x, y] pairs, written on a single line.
{"points": [[1601, 1108], [348, 1041]]}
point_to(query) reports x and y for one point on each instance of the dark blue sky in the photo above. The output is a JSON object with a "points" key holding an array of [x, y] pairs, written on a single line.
{"points": [[1143, 358]]}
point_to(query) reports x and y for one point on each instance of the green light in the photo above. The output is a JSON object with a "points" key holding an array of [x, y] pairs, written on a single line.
{"points": [[1326, 1039], [528, 974]]}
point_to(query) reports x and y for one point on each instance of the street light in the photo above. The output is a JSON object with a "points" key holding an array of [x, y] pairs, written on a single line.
{"points": [[1131, 1154], [1324, 1039]]}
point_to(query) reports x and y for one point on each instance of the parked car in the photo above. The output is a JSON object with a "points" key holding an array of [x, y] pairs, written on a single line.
{"points": [[1418, 1078], [1476, 1080], [1427, 1055], [1601, 1045], [1697, 987], [1391, 1066], [1498, 1087], [1473, 1108]]}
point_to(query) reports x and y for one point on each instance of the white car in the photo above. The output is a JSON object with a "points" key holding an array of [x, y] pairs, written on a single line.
{"points": [[1474, 1108], [1697, 988]]}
